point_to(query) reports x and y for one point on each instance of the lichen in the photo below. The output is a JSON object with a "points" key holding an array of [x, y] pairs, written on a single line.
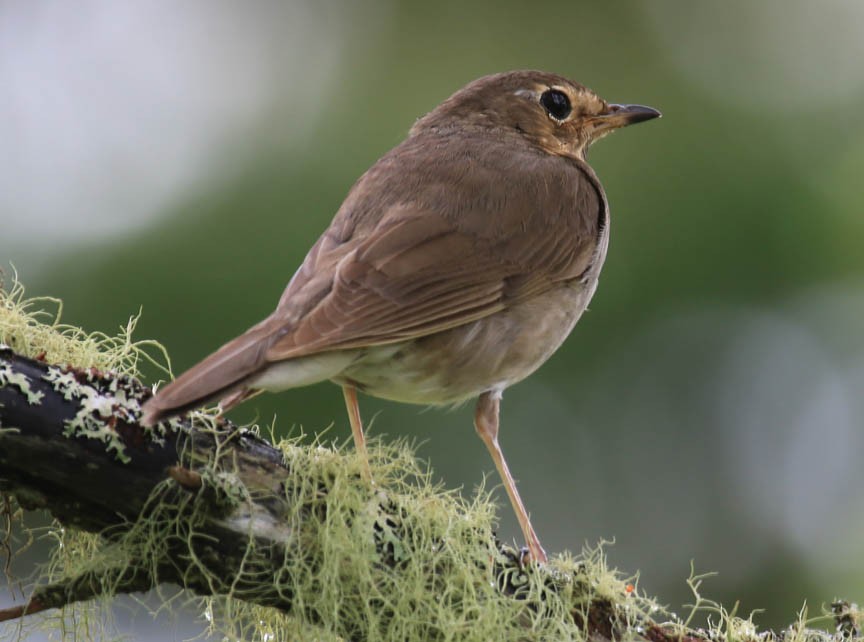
{"points": [[432, 540], [425, 571], [20, 381], [100, 406], [402, 559], [32, 327]]}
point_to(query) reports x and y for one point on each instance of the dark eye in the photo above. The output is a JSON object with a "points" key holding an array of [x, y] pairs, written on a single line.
{"points": [[556, 104]]}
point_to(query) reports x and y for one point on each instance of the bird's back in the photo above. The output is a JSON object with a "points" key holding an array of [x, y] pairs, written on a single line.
{"points": [[514, 218]]}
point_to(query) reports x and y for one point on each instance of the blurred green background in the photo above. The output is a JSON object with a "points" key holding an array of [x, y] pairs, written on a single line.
{"points": [[183, 157]]}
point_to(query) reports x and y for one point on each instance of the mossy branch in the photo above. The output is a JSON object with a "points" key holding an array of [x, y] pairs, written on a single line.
{"points": [[285, 538], [218, 510]]}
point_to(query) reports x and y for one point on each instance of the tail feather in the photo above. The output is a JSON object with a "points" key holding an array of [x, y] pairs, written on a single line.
{"points": [[217, 376]]}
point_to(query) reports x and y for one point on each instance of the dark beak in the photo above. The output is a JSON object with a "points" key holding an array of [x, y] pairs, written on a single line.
{"points": [[623, 115]]}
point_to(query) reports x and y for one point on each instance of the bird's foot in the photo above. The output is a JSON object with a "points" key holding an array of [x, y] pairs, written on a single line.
{"points": [[529, 554]]}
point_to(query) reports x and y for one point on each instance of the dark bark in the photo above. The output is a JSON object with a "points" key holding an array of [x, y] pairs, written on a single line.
{"points": [[104, 483]]}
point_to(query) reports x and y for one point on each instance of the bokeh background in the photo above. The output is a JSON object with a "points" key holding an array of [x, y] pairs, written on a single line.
{"points": [[181, 158]]}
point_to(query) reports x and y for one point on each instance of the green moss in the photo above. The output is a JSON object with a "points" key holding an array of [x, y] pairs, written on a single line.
{"points": [[402, 559], [32, 327], [425, 568]]}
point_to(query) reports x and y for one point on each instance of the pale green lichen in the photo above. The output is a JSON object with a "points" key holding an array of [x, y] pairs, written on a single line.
{"points": [[90, 423], [725, 625], [439, 584], [20, 381], [99, 408], [32, 327], [450, 553], [63, 382]]}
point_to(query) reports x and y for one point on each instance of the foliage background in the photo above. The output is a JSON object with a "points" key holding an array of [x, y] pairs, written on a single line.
{"points": [[184, 157]]}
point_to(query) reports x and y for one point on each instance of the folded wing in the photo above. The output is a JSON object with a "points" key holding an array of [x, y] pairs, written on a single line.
{"points": [[450, 252]]}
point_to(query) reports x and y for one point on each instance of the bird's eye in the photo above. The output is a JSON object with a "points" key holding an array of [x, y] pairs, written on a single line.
{"points": [[556, 104]]}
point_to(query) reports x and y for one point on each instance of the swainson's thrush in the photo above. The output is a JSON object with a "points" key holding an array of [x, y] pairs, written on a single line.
{"points": [[456, 266]]}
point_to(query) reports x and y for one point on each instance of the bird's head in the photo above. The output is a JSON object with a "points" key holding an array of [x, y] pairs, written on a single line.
{"points": [[551, 112]]}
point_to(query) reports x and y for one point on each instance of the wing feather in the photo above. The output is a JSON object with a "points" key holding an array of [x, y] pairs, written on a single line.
{"points": [[427, 267], [423, 243]]}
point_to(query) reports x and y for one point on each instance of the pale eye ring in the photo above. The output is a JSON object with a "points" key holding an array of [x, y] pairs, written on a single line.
{"points": [[556, 103]]}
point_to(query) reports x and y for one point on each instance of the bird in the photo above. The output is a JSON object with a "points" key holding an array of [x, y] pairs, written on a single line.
{"points": [[455, 267]]}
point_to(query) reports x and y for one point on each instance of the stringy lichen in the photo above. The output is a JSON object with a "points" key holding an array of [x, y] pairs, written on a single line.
{"points": [[439, 585], [446, 592]]}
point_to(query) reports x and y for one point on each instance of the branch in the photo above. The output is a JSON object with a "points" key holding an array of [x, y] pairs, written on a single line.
{"points": [[244, 517], [215, 509]]}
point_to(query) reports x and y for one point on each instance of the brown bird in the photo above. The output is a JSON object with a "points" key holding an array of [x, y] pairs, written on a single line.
{"points": [[456, 266]]}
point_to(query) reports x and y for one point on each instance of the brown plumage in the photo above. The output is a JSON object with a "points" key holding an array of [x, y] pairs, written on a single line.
{"points": [[456, 266]]}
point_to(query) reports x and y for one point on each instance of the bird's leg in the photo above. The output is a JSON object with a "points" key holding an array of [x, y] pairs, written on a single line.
{"points": [[236, 398], [486, 424], [350, 393]]}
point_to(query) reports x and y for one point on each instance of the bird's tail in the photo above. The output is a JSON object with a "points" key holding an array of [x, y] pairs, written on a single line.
{"points": [[219, 375]]}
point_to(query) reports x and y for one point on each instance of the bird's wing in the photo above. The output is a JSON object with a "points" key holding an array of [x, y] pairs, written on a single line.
{"points": [[407, 256], [426, 269]]}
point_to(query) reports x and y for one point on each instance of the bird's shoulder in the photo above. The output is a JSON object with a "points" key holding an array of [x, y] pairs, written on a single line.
{"points": [[441, 231], [497, 190]]}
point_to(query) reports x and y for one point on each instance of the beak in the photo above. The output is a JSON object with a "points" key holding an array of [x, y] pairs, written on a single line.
{"points": [[622, 115]]}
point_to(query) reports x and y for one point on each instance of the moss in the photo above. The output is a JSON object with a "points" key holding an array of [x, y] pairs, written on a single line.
{"points": [[448, 558], [402, 559], [32, 327]]}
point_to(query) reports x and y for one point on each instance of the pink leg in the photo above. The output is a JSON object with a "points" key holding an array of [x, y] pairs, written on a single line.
{"points": [[236, 398], [486, 424], [350, 393]]}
